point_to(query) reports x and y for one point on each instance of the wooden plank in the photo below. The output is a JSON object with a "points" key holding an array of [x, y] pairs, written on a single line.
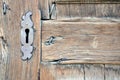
{"points": [[3, 54], [62, 72], [18, 69], [74, 10], [3, 47], [45, 73], [112, 72], [79, 42], [62, 12], [107, 10], [86, 1], [88, 10], [79, 72], [44, 8], [94, 72]]}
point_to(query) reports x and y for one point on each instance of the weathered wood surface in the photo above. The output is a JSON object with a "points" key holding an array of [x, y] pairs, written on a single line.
{"points": [[12, 67], [87, 10], [86, 1], [82, 41], [94, 72], [112, 72], [3, 55], [44, 7], [62, 72], [80, 72], [67, 9]]}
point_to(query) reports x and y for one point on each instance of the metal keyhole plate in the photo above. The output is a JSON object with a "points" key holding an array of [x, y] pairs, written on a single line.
{"points": [[27, 36]]}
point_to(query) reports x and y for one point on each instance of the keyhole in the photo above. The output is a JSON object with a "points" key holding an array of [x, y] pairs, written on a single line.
{"points": [[27, 35]]}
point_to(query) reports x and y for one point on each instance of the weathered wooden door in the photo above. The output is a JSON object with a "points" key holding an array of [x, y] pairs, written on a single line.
{"points": [[68, 34], [12, 67], [82, 32]]}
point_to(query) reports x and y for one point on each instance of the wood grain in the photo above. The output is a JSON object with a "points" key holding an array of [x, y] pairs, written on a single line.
{"points": [[94, 72], [3, 55], [86, 1], [13, 68], [62, 72], [44, 7], [87, 10], [112, 72], [79, 42], [80, 72], [10, 23], [3, 47], [74, 10], [62, 11]]}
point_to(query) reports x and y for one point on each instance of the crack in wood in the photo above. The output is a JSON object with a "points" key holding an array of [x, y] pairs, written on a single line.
{"points": [[59, 61], [38, 74], [4, 41]]}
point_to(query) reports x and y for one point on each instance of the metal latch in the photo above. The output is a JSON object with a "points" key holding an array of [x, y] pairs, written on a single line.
{"points": [[27, 36]]}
